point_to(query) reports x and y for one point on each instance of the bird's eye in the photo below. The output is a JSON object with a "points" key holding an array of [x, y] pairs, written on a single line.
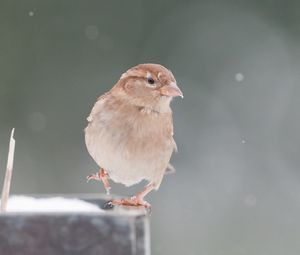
{"points": [[150, 81]]}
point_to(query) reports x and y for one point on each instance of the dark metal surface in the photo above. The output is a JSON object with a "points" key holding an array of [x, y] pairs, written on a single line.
{"points": [[113, 232]]}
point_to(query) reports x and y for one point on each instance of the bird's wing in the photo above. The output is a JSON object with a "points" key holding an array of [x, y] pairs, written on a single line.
{"points": [[97, 106]]}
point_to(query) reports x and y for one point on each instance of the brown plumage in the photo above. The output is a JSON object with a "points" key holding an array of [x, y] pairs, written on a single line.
{"points": [[130, 129]]}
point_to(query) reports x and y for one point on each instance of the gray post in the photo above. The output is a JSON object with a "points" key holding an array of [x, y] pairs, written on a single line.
{"points": [[115, 232]]}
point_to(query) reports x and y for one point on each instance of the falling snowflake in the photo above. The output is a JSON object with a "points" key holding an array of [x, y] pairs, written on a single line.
{"points": [[91, 32], [239, 77]]}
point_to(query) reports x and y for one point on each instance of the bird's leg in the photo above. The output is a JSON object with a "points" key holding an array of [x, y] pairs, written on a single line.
{"points": [[137, 200], [102, 175]]}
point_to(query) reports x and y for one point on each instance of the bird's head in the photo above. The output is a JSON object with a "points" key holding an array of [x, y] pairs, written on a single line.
{"points": [[149, 85]]}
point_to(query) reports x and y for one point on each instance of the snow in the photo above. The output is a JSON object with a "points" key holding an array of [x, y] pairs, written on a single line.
{"points": [[239, 77], [91, 32], [52, 204]]}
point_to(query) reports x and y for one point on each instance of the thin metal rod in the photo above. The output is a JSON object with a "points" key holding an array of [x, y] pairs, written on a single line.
{"points": [[9, 170]]}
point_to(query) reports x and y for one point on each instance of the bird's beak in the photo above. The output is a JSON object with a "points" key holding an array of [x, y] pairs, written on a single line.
{"points": [[171, 90]]}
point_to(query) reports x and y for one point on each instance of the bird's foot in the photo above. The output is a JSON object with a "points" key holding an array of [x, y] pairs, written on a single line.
{"points": [[93, 177], [100, 176], [133, 201]]}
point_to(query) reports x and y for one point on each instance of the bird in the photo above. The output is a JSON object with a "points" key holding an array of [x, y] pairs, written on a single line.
{"points": [[129, 133]]}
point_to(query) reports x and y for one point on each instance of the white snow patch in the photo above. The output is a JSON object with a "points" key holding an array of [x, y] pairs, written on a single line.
{"points": [[53, 204]]}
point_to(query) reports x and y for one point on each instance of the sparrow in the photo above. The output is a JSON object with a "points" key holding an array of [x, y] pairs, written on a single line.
{"points": [[130, 130]]}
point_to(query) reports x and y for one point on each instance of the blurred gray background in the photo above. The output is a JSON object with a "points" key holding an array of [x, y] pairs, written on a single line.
{"points": [[237, 186]]}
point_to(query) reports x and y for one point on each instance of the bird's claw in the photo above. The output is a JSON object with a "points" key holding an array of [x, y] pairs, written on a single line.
{"points": [[93, 177], [100, 176], [133, 201]]}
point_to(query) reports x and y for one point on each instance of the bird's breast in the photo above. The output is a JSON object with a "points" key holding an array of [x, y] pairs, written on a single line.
{"points": [[141, 133], [131, 145]]}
